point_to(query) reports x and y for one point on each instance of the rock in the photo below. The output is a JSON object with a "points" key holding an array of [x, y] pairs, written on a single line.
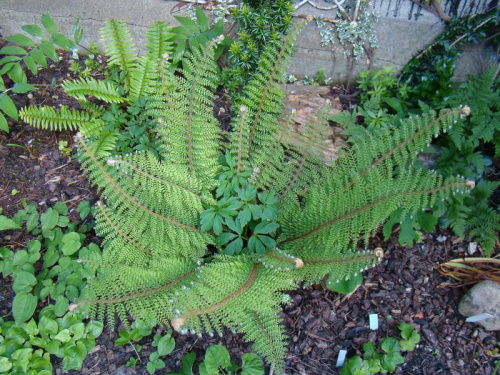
{"points": [[472, 248], [483, 297]]}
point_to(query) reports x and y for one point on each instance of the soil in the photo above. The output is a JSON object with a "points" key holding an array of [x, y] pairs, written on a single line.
{"points": [[405, 287]]}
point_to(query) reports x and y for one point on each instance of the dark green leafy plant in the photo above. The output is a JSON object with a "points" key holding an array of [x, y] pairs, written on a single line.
{"points": [[195, 34], [30, 53], [243, 218], [386, 361]]}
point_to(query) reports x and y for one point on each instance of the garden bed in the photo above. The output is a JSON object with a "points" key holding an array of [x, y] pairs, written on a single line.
{"points": [[405, 287]]}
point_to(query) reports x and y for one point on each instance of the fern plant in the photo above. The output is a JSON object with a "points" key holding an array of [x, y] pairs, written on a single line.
{"points": [[160, 264], [138, 79]]}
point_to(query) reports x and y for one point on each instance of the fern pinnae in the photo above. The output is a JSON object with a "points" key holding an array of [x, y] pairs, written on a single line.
{"points": [[177, 323], [127, 238], [272, 79], [158, 41], [420, 136], [243, 111], [109, 180], [119, 47], [102, 90], [351, 214], [46, 117]]}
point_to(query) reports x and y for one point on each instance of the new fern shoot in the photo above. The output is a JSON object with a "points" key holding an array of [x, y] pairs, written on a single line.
{"points": [[213, 232]]}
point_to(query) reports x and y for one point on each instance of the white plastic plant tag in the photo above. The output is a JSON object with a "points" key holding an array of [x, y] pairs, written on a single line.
{"points": [[478, 318], [373, 322], [341, 358]]}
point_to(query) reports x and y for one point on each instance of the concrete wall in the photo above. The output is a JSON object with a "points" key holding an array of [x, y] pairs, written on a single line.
{"points": [[402, 31]]}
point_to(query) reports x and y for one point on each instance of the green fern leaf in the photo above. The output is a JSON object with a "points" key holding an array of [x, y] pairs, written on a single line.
{"points": [[46, 117], [102, 90], [119, 47]]}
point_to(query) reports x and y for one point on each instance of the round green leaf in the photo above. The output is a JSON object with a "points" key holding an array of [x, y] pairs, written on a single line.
{"points": [[47, 325], [252, 364], [23, 307], [216, 357], [166, 345], [94, 329], [5, 222], [23, 281], [5, 364], [61, 306], [63, 336], [344, 286], [49, 219], [20, 257]]}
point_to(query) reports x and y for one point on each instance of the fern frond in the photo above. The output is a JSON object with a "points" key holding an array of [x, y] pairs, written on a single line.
{"points": [[189, 132], [119, 47], [46, 117], [267, 334], [104, 143], [363, 189], [102, 90], [255, 137], [142, 210], [140, 78], [158, 41], [151, 290]]}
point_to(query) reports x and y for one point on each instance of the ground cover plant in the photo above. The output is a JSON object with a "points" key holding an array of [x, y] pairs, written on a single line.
{"points": [[47, 277], [211, 234]]}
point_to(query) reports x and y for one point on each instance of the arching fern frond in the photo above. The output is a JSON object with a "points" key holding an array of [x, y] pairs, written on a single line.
{"points": [[253, 140], [150, 216], [102, 90], [189, 132], [141, 77], [119, 47], [46, 117]]}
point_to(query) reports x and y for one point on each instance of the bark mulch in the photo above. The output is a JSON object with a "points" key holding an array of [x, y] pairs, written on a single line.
{"points": [[404, 288]]}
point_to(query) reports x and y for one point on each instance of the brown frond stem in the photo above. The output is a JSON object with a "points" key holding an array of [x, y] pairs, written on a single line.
{"points": [[135, 295]]}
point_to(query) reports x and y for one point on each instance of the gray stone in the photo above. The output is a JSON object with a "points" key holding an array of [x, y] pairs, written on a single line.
{"points": [[403, 30], [482, 298]]}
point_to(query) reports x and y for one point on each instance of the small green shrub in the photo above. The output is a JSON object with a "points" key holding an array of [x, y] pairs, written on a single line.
{"points": [[386, 360]]}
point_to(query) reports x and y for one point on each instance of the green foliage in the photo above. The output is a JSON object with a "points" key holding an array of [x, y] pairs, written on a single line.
{"points": [[242, 218], [30, 53], [258, 23], [386, 361], [158, 264], [124, 125], [429, 73], [217, 361], [195, 34], [27, 343]]}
